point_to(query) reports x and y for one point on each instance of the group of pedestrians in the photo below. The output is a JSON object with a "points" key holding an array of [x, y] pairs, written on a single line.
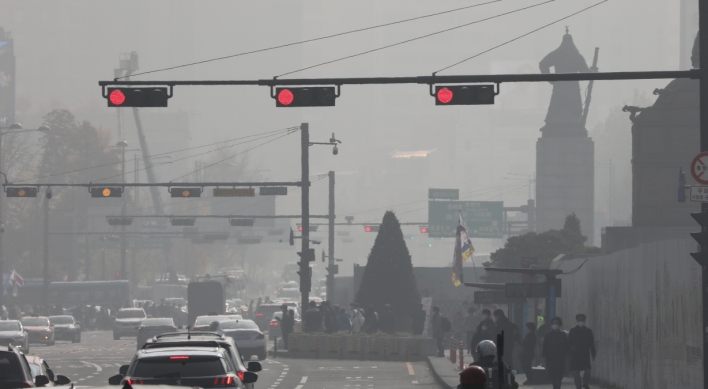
{"points": [[578, 344]]}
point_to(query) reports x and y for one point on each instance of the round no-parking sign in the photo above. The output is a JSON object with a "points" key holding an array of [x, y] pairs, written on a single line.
{"points": [[699, 168]]}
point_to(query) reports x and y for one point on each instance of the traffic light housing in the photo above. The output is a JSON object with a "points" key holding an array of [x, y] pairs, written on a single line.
{"points": [[119, 221], [137, 97], [319, 96], [292, 237], [183, 221], [464, 95], [371, 228], [21, 191], [186, 192], [106, 191], [701, 237], [241, 222]]}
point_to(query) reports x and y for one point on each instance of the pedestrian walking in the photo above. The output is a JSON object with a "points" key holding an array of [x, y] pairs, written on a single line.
{"points": [[438, 333], [419, 320], [555, 348], [528, 352], [581, 347], [511, 334], [312, 319], [487, 321], [469, 327], [358, 322], [343, 322], [371, 323]]}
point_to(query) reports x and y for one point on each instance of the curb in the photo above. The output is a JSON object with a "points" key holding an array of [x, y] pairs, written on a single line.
{"points": [[437, 377]]}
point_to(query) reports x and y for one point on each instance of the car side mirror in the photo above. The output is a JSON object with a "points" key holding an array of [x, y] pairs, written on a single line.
{"points": [[123, 370], [254, 367], [115, 380], [41, 380], [249, 377], [62, 380]]}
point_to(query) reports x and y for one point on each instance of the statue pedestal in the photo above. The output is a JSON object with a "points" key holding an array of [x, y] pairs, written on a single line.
{"points": [[565, 177]]}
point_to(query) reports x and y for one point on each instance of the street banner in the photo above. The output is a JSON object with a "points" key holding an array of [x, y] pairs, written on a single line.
{"points": [[463, 251]]}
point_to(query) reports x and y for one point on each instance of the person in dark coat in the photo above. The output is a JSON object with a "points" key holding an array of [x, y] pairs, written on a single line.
{"points": [[511, 334], [555, 348], [419, 321], [387, 321], [312, 319], [487, 321], [484, 332], [528, 352], [581, 347]]}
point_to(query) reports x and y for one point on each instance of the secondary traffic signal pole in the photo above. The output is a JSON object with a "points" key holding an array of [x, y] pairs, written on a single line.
{"points": [[331, 267], [305, 279], [703, 69], [45, 241]]}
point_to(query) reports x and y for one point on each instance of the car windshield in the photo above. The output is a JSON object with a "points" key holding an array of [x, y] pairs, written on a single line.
{"points": [[36, 370], [61, 319], [130, 314], [35, 322], [161, 321], [9, 326], [10, 369], [179, 367], [206, 320], [239, 324]]}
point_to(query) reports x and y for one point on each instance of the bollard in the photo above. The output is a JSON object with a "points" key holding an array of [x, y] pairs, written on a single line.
{"points": [[462, 356], [453, 355], [275, 347]]}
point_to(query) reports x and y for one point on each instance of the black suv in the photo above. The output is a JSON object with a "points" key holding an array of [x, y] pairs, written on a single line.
{"points": [[205, 339], [16, 372], [206, 367]]}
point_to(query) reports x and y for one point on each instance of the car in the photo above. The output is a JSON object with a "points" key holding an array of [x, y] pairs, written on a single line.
{"points": [[206, 367], [248, 337], [202, 323], [274, 325], [205, 339], [16, 372], [12, 332], [127, 321], [263, 314], [39, 367], [152, 327], [66, 328], [237, 306], [39, 329]]}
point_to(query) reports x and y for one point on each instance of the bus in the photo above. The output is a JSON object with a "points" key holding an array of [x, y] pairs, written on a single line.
{"points": [[99, 293]]}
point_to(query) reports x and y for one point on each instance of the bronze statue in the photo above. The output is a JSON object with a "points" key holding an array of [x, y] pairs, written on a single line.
{"points": [[565, 112]]}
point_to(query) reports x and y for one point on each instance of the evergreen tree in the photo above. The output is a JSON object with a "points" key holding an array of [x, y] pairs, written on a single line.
{"points": [[388, 275]]}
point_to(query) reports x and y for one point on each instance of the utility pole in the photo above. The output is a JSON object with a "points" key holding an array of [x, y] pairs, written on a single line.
{"points": [[332, 269], [45, 239], [123, 240], [703, 68], [305, 277]]}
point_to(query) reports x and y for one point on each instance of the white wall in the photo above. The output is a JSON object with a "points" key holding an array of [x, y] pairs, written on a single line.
{"points": [[644, 305]]}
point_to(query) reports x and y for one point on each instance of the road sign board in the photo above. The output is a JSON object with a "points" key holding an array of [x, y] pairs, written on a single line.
{"points": [[495, 297], [699, 193], [273, 191], [482, 218], [530, 290], [234, 192], [443, 194], [699, 168]]}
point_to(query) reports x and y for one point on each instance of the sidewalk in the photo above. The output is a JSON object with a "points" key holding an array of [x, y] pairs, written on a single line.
{"points": [[448, 375]]}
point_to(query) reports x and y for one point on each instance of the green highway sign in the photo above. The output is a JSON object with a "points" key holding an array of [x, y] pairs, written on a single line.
{"points": [[483, 219], [443, 194]]}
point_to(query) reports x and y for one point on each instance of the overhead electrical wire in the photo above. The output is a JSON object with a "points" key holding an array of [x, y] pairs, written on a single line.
{"points": [[159, 154], [310, 40], [417, 38], [521, 36]]}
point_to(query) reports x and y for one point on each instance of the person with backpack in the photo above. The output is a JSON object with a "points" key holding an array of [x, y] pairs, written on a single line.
{"points": [[438, 325]]}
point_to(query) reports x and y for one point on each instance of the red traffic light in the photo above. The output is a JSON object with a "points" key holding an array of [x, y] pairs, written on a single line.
{"points": [[371, 228], [424, 229], [117, 97], [299, 228], [367, 228], [445, 95], [285, 97]]}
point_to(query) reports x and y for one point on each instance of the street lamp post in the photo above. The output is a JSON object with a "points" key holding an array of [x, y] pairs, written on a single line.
{"points": [[14, 129], [45, 238], [123, 241]]}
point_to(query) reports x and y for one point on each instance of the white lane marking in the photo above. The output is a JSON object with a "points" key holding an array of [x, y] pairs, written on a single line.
{"points": [[356, 367], [298, 387], [98, 368], [410, 368], [303, 380], [278, 380], [414, 382]]}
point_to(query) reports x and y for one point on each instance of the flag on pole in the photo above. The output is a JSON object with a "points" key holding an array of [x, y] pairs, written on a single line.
{"points": [[463, 251], [17, 279]]}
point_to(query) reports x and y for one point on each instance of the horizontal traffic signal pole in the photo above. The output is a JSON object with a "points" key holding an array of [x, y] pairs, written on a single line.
{"points": [[428, 80], [226, 216], [160, 184]]}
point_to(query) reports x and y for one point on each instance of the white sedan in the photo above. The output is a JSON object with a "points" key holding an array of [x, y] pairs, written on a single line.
{"points": [[249, 339]]}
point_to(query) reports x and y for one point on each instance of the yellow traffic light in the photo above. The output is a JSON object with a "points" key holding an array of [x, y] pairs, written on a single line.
{"points": [[21, 193], [185, 193], [106, 192]]}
